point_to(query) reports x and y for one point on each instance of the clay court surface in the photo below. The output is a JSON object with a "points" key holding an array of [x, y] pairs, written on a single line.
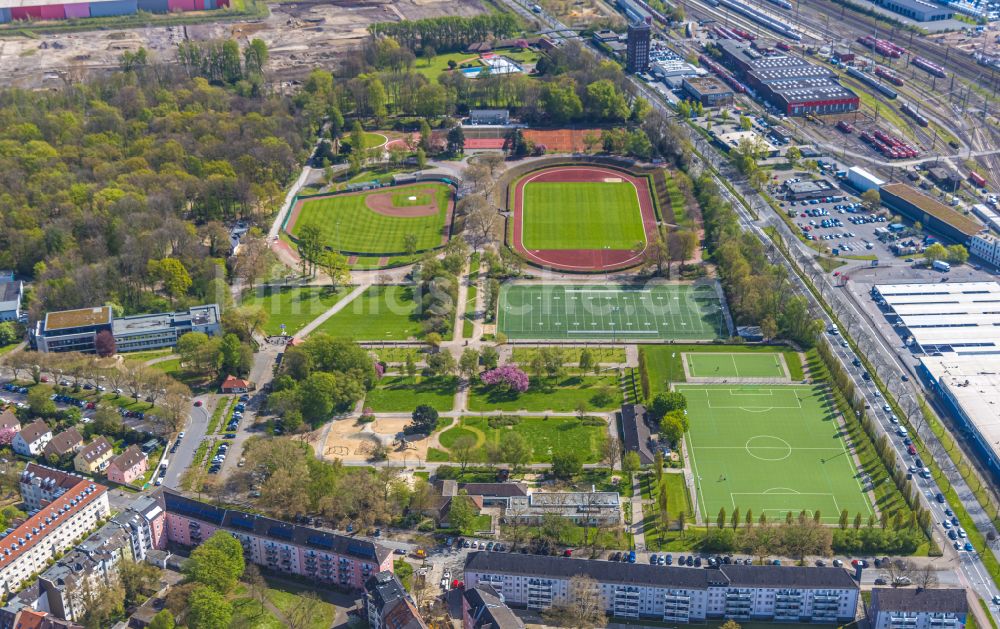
{"points": [[351, 441], [554, 140], [378, 221], [570, 221]]}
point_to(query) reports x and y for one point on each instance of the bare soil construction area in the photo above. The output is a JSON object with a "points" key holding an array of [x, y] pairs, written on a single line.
{"points": [[300, 35]]}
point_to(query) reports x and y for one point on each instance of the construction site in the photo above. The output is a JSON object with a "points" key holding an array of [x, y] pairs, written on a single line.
{"points": [[300, 36]]}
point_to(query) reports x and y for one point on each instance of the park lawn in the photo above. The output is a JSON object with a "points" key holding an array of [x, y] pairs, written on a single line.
{"points": [[582, 215], [381, 313], [293, 306], [547, 436], [347, 224], [147, 355], [678, 499], [323, 614], [398, 355], [373, 140], [571, 355], [663, 362], [565, 395], [397, 394], [431, 69], [247, 613]]}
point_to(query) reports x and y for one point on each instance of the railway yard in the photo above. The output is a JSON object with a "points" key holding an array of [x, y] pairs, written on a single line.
{"points": [[928, 90]]}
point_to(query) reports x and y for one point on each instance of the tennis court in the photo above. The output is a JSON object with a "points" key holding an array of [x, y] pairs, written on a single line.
{"points": [[673, 311], [772, 450], [742, 365]]}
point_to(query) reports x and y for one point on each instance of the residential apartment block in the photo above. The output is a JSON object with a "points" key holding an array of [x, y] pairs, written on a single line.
{"points": [[484, 608], [322, 557], [388, 605], [673, 594], [917, 608], [77, 330], [61, 589], [49, 531], [39, 485]]}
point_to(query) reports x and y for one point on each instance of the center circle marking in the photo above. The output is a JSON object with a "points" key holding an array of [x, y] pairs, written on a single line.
{"points": [[768, 448]]}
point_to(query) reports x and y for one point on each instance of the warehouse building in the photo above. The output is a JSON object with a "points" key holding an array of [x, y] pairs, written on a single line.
{"points": [[933, 215], [14, 10], [808, 189], [918, 10], [945, 317], [672, 594], [709, 91], [970, 388], [986, 247], [791, 84]]}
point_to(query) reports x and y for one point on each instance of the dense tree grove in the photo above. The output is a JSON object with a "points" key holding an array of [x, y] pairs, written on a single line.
{"points": [[447, 34], [758, 292], [101, 182], [322, 376]]}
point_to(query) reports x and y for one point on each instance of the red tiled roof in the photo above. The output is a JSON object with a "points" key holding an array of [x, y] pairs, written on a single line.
{"points": [[59, 510], [30, 619], [232, 382]]}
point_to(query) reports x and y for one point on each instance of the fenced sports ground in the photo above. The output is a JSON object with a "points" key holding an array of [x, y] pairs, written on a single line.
{"points": [[378, 221], [653, 312], [582, 218], [735, 365], [772, 449]]}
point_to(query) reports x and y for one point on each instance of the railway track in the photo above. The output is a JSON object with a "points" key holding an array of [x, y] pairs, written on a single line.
{"points": [[857, 24]]}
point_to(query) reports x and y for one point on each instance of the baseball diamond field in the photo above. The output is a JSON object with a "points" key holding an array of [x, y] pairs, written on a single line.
{"points": [[378, 221], [582, 218]]}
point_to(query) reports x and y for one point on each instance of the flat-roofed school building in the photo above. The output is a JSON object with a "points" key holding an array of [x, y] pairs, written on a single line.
{"points": [[77, 330]]}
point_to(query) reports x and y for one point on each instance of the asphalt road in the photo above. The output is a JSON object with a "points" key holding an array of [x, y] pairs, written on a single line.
{"points": [[193, 433]]}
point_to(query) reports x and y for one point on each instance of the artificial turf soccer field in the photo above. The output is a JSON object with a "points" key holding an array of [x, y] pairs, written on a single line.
{"points": [[346, 223], [770, 449], [613, 312], [735, 365], [582, 215]]}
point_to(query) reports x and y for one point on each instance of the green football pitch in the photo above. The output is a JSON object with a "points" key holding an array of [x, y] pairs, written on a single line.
{"points": [[735, 365], [346, 223], [673, 311], [770, 449], [581, 215]]}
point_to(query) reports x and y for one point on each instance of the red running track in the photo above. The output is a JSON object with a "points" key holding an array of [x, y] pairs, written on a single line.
{"points": [[582, 259]]}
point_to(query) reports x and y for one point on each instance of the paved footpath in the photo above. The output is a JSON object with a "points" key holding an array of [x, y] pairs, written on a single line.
{"points": [[337, 307], [638, 537]]}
